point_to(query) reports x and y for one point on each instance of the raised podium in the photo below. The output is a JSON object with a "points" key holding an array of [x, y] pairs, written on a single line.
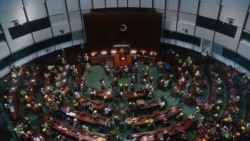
{"points": [[122, 58]]}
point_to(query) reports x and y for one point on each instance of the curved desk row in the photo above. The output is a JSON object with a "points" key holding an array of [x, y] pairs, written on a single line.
{"points": [[97, 105], [130, 96], [180, 82], [158, 134], [208, 105], [134, 96], [84, 117], [74, 132], [231, 105], [196, 85], [145, 119]]}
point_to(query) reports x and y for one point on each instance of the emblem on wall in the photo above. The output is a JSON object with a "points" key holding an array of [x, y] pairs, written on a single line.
{"points": [[123, 27]]}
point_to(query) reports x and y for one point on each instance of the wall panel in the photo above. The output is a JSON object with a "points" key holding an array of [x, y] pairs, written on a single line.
{"points": [[122, 3], [237, 16], [20, 43], [33, 2], [171, 15], [212, 1], [170, 25], [9, 5], [75, 21], [86, 4], [4, 49], [204, 33], [243, 49], [42, 35], [73, 16], [187, 18], [185, 28], [36, 11], [58, 18], [133, 3], [226, 41], [56, 7], [159, 4], [146, 3], [98, 4], [59, 24], [72, 5], [189, 6], [76, 25], [172, 5], [239, 4], [8, 17], [209, 9], [234, 10], [111, 3], [61, 28]]}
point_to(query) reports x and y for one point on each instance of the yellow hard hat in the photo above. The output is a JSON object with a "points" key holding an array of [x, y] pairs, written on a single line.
{"points": [[44, 129], [243, 128], [28, 105]]}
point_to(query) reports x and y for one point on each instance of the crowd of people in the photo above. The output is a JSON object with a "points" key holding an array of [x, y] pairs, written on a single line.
{"points": [[56, 93]]}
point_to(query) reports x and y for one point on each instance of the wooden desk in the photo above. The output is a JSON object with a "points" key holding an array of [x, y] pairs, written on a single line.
{"points": [[101, 93], [121, 60], [158, 134], [98, 105], [84, 117], [96, 59], [154, 103], [12, 105], [197, 85], [208, 105], [148, 59], [142, 120], [179, 84], [73, 132], [133, 95]]}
